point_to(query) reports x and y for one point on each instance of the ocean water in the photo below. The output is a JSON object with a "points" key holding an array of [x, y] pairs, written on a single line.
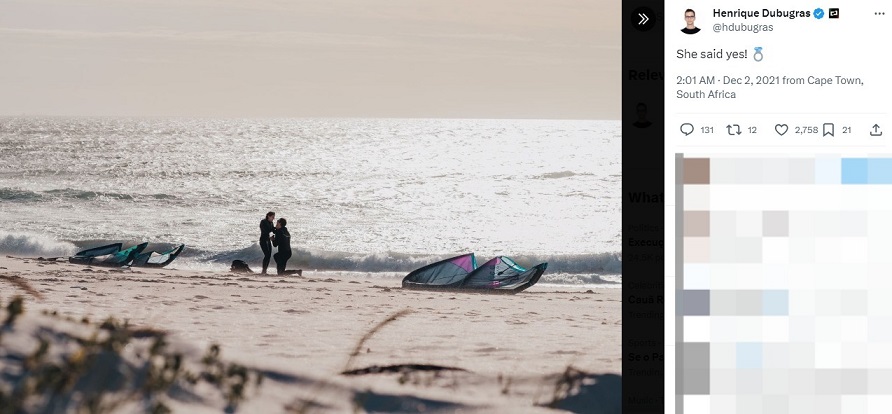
{"points": [[360, 195]]}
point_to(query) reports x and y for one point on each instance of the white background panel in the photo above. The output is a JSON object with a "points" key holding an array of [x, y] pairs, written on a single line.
{"points": [[697, 329], [696, 276], [854, 329], [879, 404], [854, 404], [722, 355], [696, 197], [879, 306], [880, 358], [775, 329], [854, 355], [724, 328], [724, 404], [828, 355], [749, 223], [802, 329], [791, 197], [697, 404], [828, 329], [775, 250]]}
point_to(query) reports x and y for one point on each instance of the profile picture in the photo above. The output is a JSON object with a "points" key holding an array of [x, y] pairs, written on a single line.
{"points": [[689, 17], [641, 112]]}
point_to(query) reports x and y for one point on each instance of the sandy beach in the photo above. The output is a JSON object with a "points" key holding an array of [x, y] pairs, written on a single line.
{"points": [[549, 349], [389, 136]]}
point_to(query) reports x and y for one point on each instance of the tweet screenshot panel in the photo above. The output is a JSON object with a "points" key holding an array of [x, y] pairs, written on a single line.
{"points": [[778, 189]]}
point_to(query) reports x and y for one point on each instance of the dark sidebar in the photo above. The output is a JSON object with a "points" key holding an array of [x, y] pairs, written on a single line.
{"points": [[643, 216]]}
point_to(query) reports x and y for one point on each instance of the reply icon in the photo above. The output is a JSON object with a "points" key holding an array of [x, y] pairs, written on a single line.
{"points": [[687, 128]]}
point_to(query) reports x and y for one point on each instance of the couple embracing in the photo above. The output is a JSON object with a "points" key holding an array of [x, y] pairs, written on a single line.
{"points": [[280, 238]]}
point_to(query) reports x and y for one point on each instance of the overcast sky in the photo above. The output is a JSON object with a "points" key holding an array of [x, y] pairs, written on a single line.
{"points": [[320, 58]]}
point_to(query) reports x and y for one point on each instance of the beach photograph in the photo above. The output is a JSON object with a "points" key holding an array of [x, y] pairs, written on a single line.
{"points": [[310, 207]]}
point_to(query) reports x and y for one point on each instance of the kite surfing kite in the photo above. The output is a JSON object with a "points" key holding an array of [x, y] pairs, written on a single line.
{"points": [[461, 273]]}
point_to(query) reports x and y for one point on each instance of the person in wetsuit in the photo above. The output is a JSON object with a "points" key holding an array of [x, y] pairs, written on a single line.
{"points": [[267, 227], [282, 239]]}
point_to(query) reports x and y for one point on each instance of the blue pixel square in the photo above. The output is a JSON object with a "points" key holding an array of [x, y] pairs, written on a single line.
{"points": [[854, 170], [827, 170], [879, 171], [749, 355], [775, 302]]}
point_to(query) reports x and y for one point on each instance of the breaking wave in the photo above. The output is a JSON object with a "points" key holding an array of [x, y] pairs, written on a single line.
{"points": [[70, 193], [20, 195], [574, 264], [14, 194], [22, 244], [581, 279], [574, 269]]}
